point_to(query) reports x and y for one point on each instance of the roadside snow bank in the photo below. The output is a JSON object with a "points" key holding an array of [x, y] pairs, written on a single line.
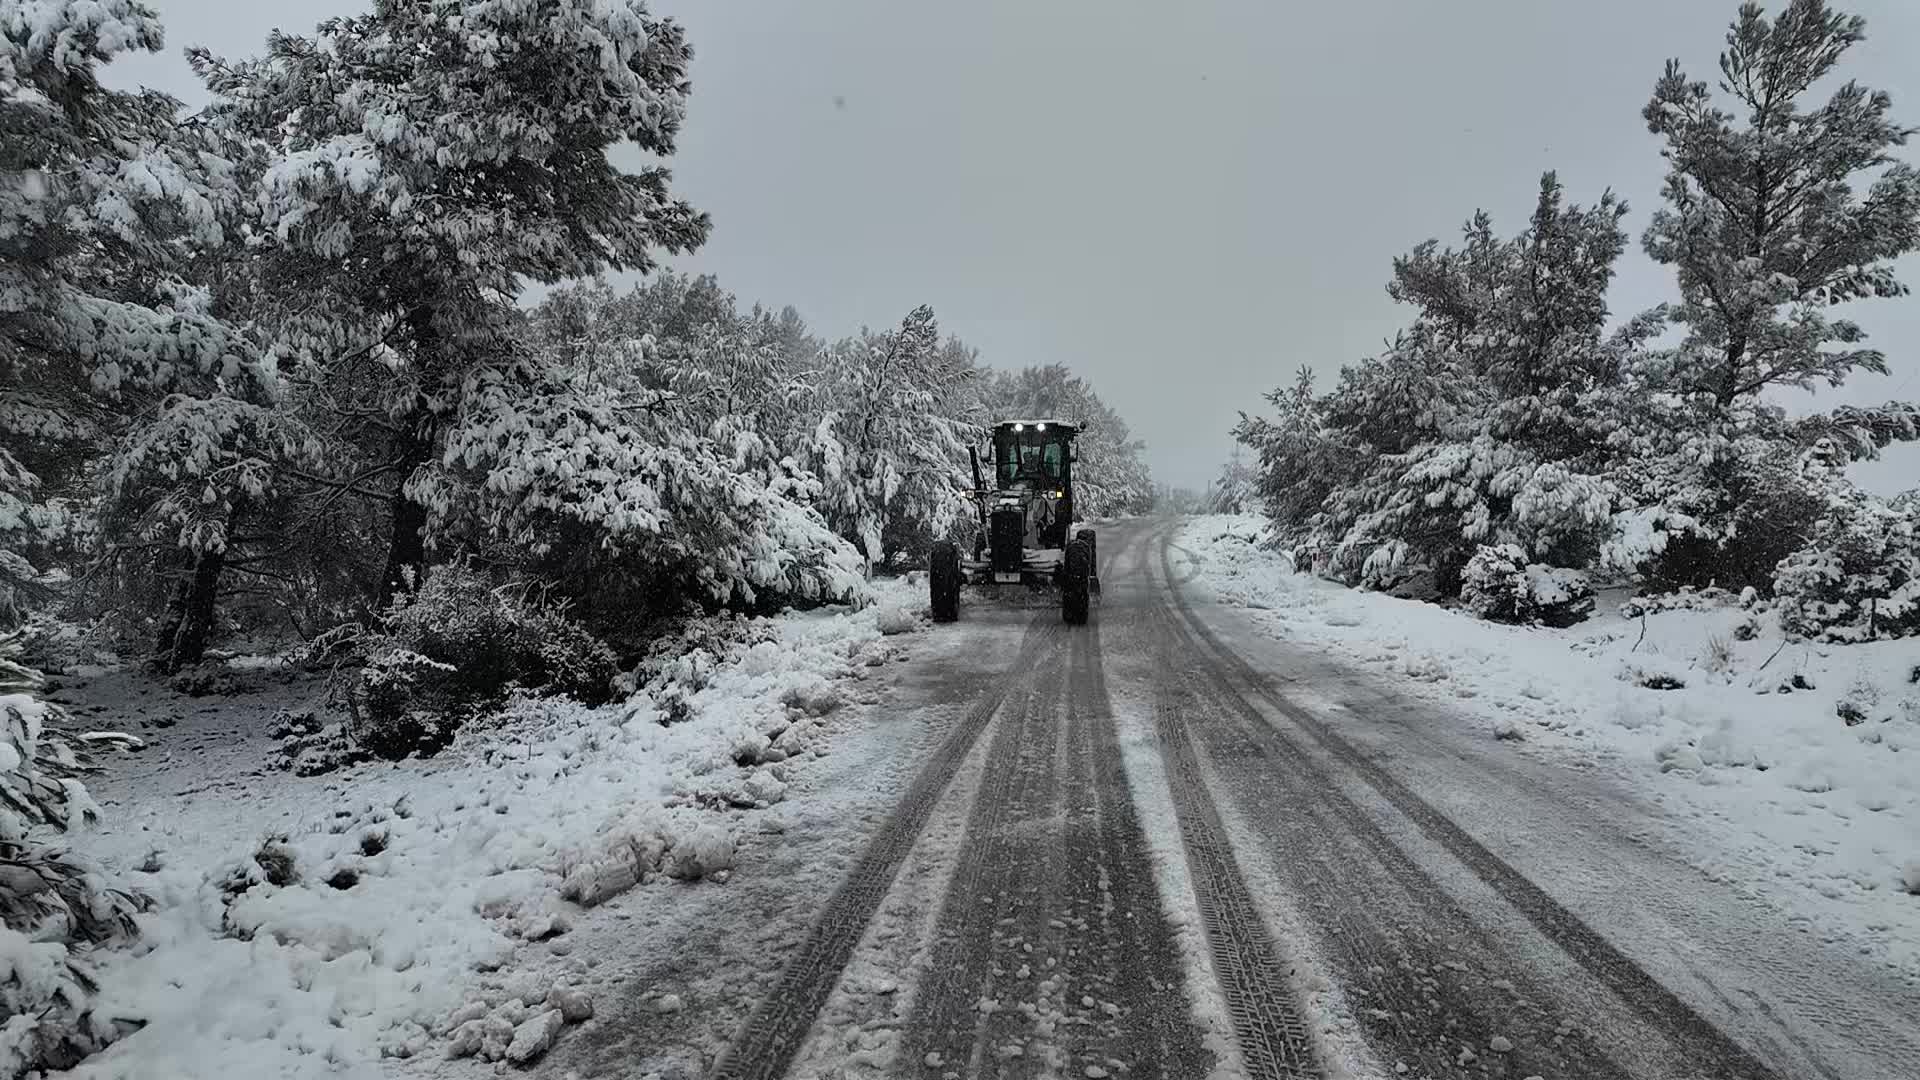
{"points": [[383, 919], [1799, 762]]}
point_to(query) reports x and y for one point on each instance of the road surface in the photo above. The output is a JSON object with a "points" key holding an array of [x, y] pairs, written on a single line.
{"points": [[1158, 846]]}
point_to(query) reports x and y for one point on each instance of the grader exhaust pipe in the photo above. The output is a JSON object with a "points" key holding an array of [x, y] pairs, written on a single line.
{"points": [[979, 489]]}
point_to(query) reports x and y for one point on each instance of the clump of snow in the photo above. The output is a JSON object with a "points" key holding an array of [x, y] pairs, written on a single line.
{"points": [[897, 620], [574, 1005], [386, 915], [535, 1037], [1423, 667], [1794, 757], [1910, 876]]}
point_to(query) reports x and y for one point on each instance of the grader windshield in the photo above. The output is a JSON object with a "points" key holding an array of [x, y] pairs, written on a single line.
{"points": [[1032, 454]]}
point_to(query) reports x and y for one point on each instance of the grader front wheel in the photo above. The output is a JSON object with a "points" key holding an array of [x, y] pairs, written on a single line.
{"points": [[1093, 560], [943, 577], [1076, 582]]}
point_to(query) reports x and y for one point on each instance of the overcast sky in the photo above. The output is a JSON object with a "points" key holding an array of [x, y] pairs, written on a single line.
{"points": [[1184, 203]]}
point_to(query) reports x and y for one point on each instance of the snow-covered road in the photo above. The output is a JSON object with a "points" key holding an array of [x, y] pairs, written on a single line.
{"points": [[1168, 846]]}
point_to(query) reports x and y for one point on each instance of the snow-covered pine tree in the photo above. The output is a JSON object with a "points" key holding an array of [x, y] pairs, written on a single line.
{"points": [[419, 162], [1526, 319], [1112, 477], [1474, 427], [1776, 211], [1235, 491], [1389, 413], [618, 464], [1858, 577], [120, 375], [1299, 460], [533, 462], [893, 434]]}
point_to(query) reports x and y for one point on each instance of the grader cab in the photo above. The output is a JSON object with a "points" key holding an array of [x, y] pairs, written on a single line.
{"points": [[1027, 534]]}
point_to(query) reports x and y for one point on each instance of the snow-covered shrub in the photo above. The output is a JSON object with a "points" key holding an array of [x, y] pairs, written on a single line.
{"points": [[56, 911], [210, 679], [1723, 525], [1687, 598], [1910, 877], [679, 661], [1500, 585], [1860, 578], [454, 648], [1719, 656], [1654, 673], [310, 746]]}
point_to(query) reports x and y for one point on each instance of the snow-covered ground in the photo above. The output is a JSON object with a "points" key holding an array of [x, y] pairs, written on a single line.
{"points": [[423, 909], [1795, 766]]}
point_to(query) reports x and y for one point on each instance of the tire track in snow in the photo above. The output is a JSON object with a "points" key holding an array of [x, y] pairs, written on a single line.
{"points": [[1708, 1051], [773, 1034], [1137, 934], [1268, 1024], [945, 1030], [1053, 955], [1722, 947], [1424, 979]]}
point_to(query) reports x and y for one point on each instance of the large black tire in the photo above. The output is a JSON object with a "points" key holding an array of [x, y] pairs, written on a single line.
{"points": [[943, 578], [1093, 561], [1076, 582]]}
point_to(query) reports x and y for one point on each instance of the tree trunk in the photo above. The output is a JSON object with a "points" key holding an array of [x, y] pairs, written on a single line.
{"points": [[407, 549], [1449, 573], [188, 625], [1730, 377]]}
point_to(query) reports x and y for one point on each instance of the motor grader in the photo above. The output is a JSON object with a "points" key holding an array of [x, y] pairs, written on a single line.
{"points": [[1028, 538]]}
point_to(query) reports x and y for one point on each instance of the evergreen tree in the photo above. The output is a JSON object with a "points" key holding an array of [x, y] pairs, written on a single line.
{"points": [[629, 462], [1776, 211], [1476, 426], [1762, 221], [1298, 461], [122, 376], [416, 164], [1236, 491], [892, 435]]}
